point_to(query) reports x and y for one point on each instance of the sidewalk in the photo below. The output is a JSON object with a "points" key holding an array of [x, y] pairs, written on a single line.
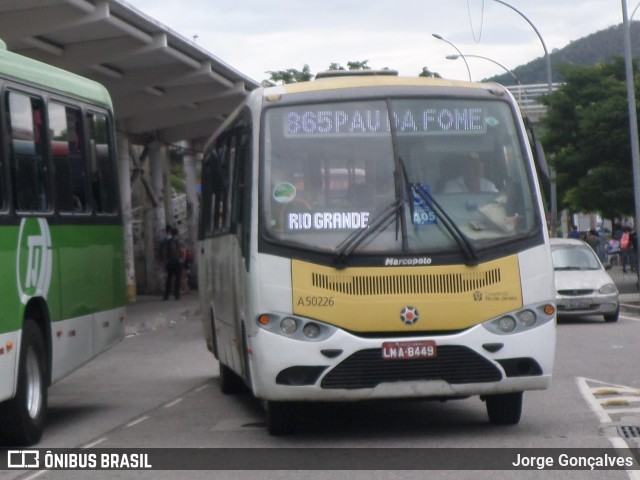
{"points": [[627, 284], [150, 312]]}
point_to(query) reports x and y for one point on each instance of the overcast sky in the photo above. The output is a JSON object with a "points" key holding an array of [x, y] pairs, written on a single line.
{"points": [[257, 36]]}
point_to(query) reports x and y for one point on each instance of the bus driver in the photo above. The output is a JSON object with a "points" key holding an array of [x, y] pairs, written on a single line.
{"points": [[471, 179]]}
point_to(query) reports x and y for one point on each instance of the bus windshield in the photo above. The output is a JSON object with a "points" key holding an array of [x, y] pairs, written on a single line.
{"points": [[420, 175]]}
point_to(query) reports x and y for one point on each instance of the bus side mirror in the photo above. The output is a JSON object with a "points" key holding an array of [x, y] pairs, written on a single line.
{"points": [[541, 160]]}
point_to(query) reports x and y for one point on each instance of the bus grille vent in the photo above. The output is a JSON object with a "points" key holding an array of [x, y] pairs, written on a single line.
{"points": [[454, 364], [445, 283]]}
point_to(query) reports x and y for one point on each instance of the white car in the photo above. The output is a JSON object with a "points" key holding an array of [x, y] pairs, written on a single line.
{"points": [[583, 287]]}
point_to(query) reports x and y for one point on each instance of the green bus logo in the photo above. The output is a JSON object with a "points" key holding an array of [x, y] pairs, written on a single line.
{"points": [[34, 259]]}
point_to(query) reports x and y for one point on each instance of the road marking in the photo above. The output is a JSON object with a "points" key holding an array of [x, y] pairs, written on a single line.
{"points": [[137, 421], [594, 404], [633, 319], [608, 389], [35, 475], [171, 404], [199, 389], [94, 443]]}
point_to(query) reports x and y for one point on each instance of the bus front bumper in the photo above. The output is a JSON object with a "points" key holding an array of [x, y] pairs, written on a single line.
{"points": [[345, 367]]}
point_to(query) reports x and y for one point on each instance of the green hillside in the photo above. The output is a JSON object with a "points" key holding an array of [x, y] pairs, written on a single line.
{"points": [[598, 47]]}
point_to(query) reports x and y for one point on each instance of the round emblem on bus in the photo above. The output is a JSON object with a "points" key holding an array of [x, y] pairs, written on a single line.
{"points": [[34, 259], [409, 315]]}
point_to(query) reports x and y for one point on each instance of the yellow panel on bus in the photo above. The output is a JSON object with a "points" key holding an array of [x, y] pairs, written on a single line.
{"points": [[406, 298]]}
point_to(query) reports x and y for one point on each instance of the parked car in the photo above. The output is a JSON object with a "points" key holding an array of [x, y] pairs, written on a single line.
{"points": [[583, 287]]}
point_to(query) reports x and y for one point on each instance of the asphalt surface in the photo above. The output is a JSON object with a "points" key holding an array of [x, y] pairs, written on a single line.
{"points": [[150, 312]]}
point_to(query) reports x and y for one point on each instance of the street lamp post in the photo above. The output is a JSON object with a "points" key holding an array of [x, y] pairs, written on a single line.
{"points": [[440, 37], [633, 119], [513, 75], [544, 45], [554, 200], [466, 55]]}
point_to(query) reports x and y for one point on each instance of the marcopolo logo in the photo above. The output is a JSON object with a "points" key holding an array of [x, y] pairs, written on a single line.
{"points": [[34, 259], [404, 262]]}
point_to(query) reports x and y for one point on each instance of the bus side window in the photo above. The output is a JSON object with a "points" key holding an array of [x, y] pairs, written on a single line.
{"points": [[221, 166], [241, 207], [103, 180], [215, 210], [205, 229], [68, 158], [27, 138]]}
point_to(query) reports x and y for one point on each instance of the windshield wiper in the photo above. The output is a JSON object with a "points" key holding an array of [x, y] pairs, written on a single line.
{"points": [[466, 247], [404, 194], [356, 237]]}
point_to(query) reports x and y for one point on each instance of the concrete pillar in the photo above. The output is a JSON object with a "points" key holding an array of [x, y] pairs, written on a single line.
{"points": [[156, 164], [191, 180], [155, 222], [167, 189], [124, 172]]}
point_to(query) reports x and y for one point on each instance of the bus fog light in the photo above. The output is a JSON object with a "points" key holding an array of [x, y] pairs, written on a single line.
{"points": [[311, 330], [288, 326], [527, 318], [507, 324]]}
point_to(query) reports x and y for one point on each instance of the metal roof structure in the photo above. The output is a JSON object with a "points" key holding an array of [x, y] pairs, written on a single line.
{"points": [[164, 87]]}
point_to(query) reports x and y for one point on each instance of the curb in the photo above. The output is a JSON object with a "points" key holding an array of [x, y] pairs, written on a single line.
{"points": [[630, 308]]}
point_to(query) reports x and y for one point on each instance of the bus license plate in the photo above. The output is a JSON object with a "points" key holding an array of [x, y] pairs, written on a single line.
{"points": [[409, 350]]}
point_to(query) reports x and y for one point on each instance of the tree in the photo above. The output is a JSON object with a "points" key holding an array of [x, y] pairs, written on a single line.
{"points": [[428, 73], [291, 75], [587, 137], [351, 65]]}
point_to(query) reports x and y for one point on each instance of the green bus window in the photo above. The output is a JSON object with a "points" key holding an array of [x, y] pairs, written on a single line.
{"points": [[65, 125], [102, 174], [27, 139]]}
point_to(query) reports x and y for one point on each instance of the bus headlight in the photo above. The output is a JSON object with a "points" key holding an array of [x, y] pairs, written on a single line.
{"points": [[288, 325], [527, 318], [507, 324], [295, 328], [521, 320], [311, 330]]}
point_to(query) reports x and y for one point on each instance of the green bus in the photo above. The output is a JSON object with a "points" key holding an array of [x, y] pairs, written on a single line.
{"points": [[62, 287]]}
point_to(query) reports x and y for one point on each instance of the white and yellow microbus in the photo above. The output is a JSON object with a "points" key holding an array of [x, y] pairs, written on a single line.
{"points": [[370, 237]]}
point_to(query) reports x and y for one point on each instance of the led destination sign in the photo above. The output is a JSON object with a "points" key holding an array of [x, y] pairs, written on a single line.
{"points": [[328, 121]]}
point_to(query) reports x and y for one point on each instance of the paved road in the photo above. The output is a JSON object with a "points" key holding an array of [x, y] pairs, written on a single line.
{"points": [[160, 388]]}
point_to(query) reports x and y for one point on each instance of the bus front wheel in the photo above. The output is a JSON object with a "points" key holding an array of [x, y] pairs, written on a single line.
{"points": [[230, 382], [504, 409], [22, 417], [281, 417]]}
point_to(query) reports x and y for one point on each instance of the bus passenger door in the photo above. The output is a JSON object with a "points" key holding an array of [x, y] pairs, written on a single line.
{"points": [[241, 229]]}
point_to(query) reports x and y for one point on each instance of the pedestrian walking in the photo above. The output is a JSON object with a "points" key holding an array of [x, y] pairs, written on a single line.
{"points": [[174, 260]]}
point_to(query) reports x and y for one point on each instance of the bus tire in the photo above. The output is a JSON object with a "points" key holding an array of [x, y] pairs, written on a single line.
{"points": [[245, 358], [230, 382], [280, 418], [214, 339], [22, 417], [504, 409]]}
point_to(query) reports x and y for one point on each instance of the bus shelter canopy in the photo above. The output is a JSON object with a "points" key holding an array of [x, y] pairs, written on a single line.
{"points": [[164, 87]]}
